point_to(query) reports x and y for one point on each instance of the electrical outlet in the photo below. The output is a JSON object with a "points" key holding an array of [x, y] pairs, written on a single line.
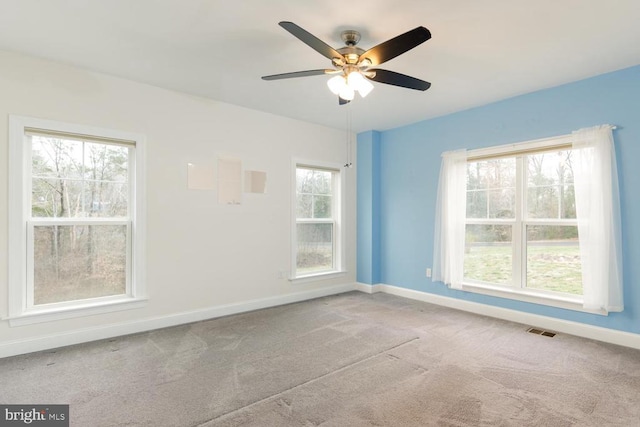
{"points": [[428, 272]]}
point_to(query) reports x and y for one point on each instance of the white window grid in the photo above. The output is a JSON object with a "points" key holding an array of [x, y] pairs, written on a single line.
{"points": [[519, 224]]}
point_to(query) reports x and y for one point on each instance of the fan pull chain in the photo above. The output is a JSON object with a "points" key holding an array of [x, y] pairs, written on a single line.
{"points": [[349, 163]]}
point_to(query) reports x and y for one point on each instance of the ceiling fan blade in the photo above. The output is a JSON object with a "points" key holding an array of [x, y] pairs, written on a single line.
{"points": [[311, 40], [298, 74], [397, 79], [396, 46], [342, 101]]}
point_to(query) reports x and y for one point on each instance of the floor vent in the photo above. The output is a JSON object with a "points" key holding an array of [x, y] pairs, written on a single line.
{"points": [[541, 332]]}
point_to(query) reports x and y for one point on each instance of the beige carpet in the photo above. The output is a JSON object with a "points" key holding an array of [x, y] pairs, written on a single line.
{"points": [[348, 360]]}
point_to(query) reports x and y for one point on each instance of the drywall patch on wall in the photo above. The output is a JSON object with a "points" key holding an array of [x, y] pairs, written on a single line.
{"points": [[200, 176]]}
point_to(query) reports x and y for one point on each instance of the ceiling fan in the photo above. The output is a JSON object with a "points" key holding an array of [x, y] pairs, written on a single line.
{"points": [[353, 65]]}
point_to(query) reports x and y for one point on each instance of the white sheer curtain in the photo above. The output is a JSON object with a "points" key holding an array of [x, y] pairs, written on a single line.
{"points": [[598, 213], [451, 211]]}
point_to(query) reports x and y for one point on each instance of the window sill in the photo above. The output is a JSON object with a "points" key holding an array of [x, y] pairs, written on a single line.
{"points": [[552, 300], [55, 312], [317, 276]]}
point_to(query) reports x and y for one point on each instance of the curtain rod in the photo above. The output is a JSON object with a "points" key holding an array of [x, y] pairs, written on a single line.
{"points": [[561, 142], [548, 148]]}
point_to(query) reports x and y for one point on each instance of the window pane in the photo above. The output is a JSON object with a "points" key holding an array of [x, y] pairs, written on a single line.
{"points": [[549, 168], [74, 179], [553, 259], [502, 203], [477, 204], [488, 254], [106, 199], [79, 262], [542, 201], [475, 175], [501, 173], [568, 202], [106, 162], [56, 198], [304, 181], [315, 248], [322, 182], [491, 188], [55, 157], [64, 198], [550, 191], [314, 193], [322, 206], [304, 206]]}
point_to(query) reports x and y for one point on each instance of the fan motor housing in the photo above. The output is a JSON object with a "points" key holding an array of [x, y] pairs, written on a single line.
{"points": [[350, 51], [350, 37]]}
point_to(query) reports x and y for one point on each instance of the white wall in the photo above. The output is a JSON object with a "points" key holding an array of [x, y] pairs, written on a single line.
{"points": [[200, 255]]}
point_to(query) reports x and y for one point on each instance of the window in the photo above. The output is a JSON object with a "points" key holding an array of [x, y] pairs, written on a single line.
{"points": [[76, 229], [318, 229], [536, 221], [521, 228]]}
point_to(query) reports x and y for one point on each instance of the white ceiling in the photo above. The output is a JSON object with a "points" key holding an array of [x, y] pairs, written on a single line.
{"points": [[481, 50]]}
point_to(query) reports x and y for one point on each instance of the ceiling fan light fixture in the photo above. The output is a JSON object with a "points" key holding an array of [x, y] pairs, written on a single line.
{"points": [[358, 82], [337, 84], [365, 88], [347, 93]]}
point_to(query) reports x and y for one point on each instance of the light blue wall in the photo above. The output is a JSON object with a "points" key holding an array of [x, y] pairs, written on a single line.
{"points": [[409, 163]]}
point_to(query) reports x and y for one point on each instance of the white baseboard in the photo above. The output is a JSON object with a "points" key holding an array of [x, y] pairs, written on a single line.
{"points": [[611, 336], [367, 289], [29, 345]]}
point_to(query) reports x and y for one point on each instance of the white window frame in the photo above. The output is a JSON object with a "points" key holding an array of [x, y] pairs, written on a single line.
{"points": [[338, 221], [21, 309], [519, 291]]}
